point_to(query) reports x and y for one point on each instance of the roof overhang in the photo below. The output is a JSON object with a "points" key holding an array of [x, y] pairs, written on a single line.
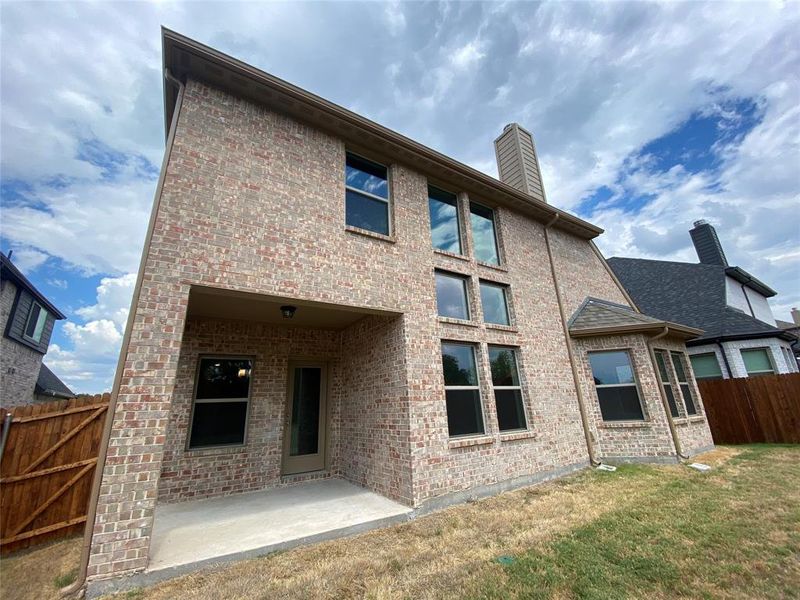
{"points": [[674, 329], [776, 333], [187, 59], [9, 271], [745, 278]]}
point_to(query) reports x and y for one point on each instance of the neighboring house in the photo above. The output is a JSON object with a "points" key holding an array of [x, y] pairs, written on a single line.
{"points": [[740, 335], [49, 387], [27, 319], [794, 329], [321, 297]]}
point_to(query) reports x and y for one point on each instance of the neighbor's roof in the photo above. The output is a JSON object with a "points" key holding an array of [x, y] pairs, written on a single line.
{"points": [[12, 273], [689, 293], [48, 384], [186, 58], [600, 317]]}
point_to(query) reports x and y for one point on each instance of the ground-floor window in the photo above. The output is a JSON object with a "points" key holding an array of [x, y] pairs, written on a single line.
{"points": [[507, 389], [666, 383], [219, 411], [706, 366], [615, 382], [462, 392], [757, 361], [679, 363]]}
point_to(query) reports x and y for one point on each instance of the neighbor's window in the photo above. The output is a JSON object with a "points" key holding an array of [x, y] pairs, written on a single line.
{"points": [[616, 386], [679, 362], [463, 396], [791, 363], [757, 361], [664, 376], [451, 296], [37, 318], [445, 229], [494, 303], [220, 402], [706, 366], [484, 237], [507, 390], [367, 195]]}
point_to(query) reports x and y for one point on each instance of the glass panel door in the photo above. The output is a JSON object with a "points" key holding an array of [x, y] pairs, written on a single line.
{"points": [[305, 434]]}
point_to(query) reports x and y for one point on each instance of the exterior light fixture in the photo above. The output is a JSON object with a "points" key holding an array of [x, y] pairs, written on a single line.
{"points": [[288, 311]]}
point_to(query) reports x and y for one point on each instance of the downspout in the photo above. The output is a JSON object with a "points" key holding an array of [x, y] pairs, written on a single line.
{"points": [[725, 359], [575, 378], [80, 581], [664, 402]]}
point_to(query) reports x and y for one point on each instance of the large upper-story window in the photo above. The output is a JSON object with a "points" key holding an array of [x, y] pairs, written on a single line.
{"points": [[484, 236], [507, 389], [37, 318], [494, 303], [367, 195], [706, 366], [221, 396], [451, 296], [681, 370], [616, 386], [445, 228], [666, 383], [463, 396], [757, 361]]}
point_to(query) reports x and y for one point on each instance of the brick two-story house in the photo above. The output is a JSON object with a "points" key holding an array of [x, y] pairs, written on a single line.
{"points": [[322, 298]]}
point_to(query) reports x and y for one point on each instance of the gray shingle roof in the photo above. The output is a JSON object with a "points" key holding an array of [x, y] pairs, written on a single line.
{"points": [[688, 293], [596, 316], [48, 384]]}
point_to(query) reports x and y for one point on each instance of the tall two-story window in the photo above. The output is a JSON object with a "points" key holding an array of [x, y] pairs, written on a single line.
{"points": [[451, 296], [367, 195], [616, 386], [507, 389], [494, 303], [679, 362], [484, 236], [661, 359], [222, 393], [445, 228], [34, 326], [462, 394]]}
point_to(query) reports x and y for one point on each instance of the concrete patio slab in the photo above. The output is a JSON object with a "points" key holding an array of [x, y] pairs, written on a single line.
{"points": [[194, 532]]}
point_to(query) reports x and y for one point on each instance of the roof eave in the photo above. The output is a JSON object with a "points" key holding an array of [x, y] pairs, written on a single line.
{"points": [[10, 271], [747, 279], [349, 125], [675, 330]]}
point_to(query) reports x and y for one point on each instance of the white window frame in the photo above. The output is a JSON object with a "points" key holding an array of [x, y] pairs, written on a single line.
{"points": [[687, 374], [196, 400], [769, 358], [472, 348], [387, 201], [41, 318], [515, 352]]}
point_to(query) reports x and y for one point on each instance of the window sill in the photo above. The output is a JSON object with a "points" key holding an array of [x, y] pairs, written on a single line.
{"points": [[214, 451], [498, 327], [482, 440], [500, 268], [450, 254], [453, 321], [371, 234], [689, 420], [512, 436], [624, 424]]}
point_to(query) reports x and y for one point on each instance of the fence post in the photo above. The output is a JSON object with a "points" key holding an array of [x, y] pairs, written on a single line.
{"points": [[6, 429]]}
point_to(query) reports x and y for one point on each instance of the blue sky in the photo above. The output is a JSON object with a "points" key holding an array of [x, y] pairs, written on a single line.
{"points": [[646, 117]]}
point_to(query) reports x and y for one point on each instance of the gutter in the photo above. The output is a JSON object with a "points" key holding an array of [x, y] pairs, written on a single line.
{"points": [[94, 495], [575, 378], [664, 402]]}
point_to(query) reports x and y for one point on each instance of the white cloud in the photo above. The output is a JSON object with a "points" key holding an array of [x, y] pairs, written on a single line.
{"points": [[113, 301], [27, 259]]}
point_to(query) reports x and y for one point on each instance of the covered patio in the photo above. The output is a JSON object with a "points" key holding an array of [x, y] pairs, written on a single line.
{"points": [[191, 534]]}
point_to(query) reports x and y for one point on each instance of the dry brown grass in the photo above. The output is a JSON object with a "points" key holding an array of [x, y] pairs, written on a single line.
{"points": [[38, 573]]}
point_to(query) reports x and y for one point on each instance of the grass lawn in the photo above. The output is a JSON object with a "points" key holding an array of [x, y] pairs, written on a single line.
{"points": [[641, 532]]}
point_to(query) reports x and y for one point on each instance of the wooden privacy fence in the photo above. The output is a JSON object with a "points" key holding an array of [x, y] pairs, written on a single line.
{"points": [[751, 410], [46, 470]]}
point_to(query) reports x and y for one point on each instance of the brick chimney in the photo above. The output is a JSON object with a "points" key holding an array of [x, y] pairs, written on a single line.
{"points": [[517, 162], [706, 244]]}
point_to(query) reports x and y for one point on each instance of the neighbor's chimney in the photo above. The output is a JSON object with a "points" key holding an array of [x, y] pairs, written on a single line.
{"points": [[517, 162], [706, 244], [796, 316]]}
